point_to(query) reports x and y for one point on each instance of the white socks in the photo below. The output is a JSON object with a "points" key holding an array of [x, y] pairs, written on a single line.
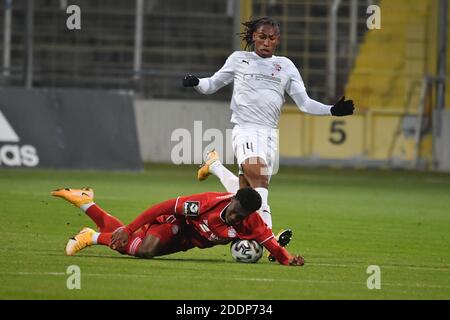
{"points": [[231, 184], [264, 211], [226, 177], [86, 206], [95, 238], [265, 214]]}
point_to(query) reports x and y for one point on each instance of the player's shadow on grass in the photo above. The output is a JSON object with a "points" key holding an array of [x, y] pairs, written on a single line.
{"points": [[163, 258], [57, 253]]}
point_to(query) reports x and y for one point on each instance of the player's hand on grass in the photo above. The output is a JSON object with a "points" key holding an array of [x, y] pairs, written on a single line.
{"points": [[119, 239], [297, 261], [190, 81], [342, 108]]}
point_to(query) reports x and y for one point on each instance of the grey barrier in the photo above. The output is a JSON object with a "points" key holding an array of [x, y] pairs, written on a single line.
{"points": [[160, 123], [70, 129]]}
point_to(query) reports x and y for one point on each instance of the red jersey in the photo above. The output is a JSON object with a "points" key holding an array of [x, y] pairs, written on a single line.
{"points": [[205, 212]]}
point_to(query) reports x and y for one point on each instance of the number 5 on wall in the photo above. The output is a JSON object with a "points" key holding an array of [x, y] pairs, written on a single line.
{"points": [[337, 133]]}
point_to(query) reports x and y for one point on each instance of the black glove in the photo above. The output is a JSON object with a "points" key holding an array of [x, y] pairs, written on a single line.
{"points": [[190, 81], [342, 108]]}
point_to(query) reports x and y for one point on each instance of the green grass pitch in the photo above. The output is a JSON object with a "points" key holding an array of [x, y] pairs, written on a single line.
{"points": [[343, 221]]}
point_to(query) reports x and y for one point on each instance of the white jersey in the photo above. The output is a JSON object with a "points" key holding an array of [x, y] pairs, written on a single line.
{"points": [[259, 86]]}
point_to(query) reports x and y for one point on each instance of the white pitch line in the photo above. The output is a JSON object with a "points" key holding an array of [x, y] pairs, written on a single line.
{"points": [[415, 285], [381, 266], [34, 273], [300, 281]]}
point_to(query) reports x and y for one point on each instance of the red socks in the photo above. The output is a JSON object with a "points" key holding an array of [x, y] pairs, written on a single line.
{"points": [[107, 224], [104, 221], [104, 239]]}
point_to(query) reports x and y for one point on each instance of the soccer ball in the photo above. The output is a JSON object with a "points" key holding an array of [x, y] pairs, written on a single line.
{"points": [[247, 251]]}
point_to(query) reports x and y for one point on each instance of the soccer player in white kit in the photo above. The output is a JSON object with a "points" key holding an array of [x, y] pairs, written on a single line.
{"points": [[260, 80]]}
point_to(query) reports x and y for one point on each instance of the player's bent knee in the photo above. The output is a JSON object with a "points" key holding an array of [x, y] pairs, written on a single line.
{"points": [[256, 180], [261, 182], [145, 253], [149, 247], [256, 173]]}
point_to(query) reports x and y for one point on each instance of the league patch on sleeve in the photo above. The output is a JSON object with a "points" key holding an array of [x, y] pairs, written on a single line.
{"points": [[191, 208]]}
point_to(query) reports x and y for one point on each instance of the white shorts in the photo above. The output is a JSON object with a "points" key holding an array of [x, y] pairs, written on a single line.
{"points": [[249, 142]]}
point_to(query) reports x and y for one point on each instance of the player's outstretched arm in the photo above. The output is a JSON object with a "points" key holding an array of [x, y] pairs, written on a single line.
{"points": [[210, 85], [342, 108], [119, 239], [296, 89], [190, 81], [297, 261], [282, 255]]}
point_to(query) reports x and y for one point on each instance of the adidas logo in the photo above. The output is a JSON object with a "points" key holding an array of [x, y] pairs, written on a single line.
{"points": [[7, 133], [12, 154]]}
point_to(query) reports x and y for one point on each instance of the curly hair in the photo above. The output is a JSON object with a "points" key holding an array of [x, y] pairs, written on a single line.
{"points": [[249, 199], [253, 25]]}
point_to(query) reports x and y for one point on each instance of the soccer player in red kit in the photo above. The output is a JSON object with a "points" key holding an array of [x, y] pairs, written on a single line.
{"points": [[201, 220]]}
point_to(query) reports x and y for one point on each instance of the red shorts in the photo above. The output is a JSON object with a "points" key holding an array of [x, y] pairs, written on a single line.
{"points": [[172, 233]]}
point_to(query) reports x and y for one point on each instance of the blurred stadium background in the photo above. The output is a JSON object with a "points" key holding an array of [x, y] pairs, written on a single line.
{"points": [[109, 97], [141, 49]]}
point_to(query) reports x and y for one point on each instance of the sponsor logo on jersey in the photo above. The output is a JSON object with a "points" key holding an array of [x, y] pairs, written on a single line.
{"points": [[13, 154], [231, 232], [261, 77], [216, 239], [277, 67], [204, 226], [191, 208], [246, 61], [175, 229], [171, 219]]}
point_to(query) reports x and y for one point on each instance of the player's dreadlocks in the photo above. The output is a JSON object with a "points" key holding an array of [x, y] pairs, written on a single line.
{"points": [[253, 25]]}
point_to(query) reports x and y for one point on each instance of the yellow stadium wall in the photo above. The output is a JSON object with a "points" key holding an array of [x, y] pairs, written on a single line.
{"points": [[390, 61], [370, 135]]}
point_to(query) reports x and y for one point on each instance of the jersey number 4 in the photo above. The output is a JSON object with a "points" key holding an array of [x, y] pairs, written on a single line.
{"points": [[248, 146]]}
